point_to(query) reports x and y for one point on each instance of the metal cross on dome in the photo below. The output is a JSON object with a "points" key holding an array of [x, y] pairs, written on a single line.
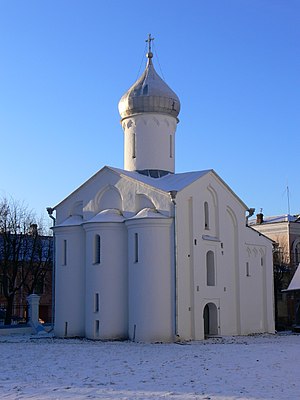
{"points": [[149, 40]]}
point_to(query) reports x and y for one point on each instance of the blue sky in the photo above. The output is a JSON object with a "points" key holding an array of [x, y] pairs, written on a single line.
{"points": [[235, 66]]}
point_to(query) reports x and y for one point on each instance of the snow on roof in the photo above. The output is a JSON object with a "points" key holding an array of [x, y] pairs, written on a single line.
{"points": [[72, 220], [277, 218], [295, 282], [281, 218], [148, 213], [167, 182], [176, 182], [108, 215]]}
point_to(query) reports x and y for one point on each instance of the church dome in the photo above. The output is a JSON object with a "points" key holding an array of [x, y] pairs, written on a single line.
{"points": [[149, 94]]}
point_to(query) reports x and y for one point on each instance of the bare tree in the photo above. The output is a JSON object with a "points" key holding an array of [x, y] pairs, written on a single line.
{"points": [[25, 253], [282, 274]]}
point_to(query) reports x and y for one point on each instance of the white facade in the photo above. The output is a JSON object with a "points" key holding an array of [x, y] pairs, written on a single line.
{"points": [[158, 258], [142, 134]]}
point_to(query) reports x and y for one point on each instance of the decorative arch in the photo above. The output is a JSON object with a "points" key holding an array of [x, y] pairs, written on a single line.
{"points": [[143, 201], [233, 243], [262, 254], [156, 121], [213, 195], [141, 121], [109, 197], [232, 216], [210, 319], [211, 221], [166, 122], [77, 208]]}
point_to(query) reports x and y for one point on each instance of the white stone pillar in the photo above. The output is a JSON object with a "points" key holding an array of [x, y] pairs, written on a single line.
{"points": [[33, 301]]}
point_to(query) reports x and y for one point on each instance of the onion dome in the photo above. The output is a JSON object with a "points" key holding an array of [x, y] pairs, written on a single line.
{"points": [[149, 94]]}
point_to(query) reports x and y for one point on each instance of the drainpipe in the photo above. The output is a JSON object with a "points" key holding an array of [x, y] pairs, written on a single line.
{"points": [[251, 212], [50, 213], [173, 194]]}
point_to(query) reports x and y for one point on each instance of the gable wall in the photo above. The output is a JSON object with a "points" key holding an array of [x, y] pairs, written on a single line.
{"points": [[258, 312], [98, 188], [226, 238]]}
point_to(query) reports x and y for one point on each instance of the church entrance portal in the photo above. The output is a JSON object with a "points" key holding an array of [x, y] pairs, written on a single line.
{"points": [[210, 318]]}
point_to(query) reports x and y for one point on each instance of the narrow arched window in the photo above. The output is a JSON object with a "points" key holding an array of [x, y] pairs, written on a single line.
{"points": [[171, 146], [133, 145], [97, 249], [64, 253], [96, 303], [247, 269], [210, 269], [136, 248], [206, 215], [97, 327]]}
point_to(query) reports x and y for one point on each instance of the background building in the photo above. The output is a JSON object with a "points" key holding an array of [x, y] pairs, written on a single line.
{"points": [[26, 265], [285, 231]]}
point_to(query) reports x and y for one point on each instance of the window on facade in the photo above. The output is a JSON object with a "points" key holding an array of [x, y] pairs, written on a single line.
{"points": [[133, 145], [97, 327], [171, 146], [136, 247], [64, 252], [96, 303], [210, 269], [206, 215], [247, 269], [262, 261], [97, 250]]}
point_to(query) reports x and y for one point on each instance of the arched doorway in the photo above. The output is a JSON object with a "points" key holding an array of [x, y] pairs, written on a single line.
{"points": [[210, 319]]}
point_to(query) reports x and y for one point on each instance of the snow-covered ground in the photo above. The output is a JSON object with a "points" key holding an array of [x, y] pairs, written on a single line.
{"points": [[254, 367]]}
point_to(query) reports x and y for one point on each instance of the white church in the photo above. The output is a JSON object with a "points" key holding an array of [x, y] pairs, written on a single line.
{"points": [[150, 255]]}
